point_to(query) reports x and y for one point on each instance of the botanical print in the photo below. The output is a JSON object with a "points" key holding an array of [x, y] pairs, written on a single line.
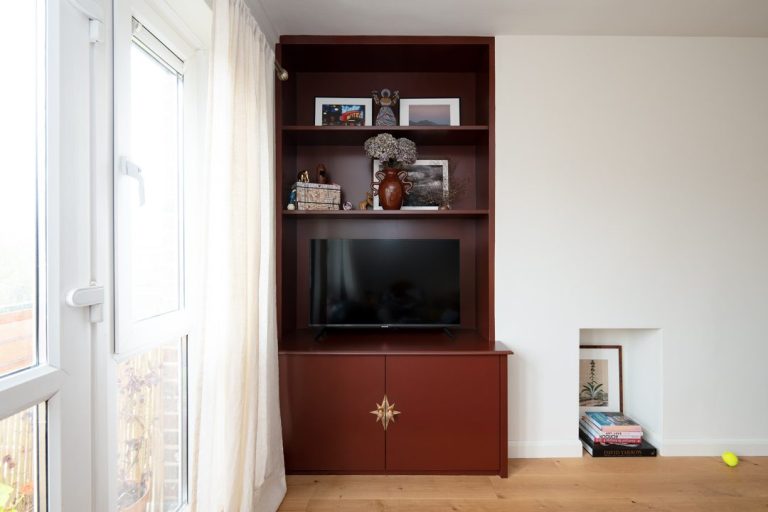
{"points": [[593, 383]]}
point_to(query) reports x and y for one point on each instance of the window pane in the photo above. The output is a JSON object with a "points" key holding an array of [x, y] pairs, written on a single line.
{"points": [[155, 147], [22, 450], [150, 436], [20, 45]]}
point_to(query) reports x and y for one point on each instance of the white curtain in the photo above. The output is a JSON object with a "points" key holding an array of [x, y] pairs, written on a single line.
{"points": [[236, 454]]}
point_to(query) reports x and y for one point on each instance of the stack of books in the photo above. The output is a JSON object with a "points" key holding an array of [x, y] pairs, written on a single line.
{"points": [[611, 434]]}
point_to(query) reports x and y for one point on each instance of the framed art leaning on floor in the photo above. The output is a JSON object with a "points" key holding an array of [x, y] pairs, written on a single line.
{"points": [[600, 378]]}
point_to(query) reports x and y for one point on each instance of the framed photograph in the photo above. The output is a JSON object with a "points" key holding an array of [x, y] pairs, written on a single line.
{"points": [[343, 111], [429, 112], [430, 184], [600, 378]]}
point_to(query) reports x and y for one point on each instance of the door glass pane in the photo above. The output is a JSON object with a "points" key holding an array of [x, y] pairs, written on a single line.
{"points": [[22, 456], [21, 45], [151, 435], [155, 148]]}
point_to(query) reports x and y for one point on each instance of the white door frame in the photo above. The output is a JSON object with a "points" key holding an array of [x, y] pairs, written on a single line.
{"points": [[63, 376]]}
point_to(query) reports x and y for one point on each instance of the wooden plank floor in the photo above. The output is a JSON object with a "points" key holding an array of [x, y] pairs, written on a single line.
{"points": [[573, 485]]}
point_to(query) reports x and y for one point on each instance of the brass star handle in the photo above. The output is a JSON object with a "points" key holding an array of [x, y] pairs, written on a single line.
{"points": [[385, 412]]}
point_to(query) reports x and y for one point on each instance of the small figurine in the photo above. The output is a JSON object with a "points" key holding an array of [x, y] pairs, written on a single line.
{"points": [[386, 116], [322, 175], [292, 198], [303, 176], [347, 206], [366, 203]]}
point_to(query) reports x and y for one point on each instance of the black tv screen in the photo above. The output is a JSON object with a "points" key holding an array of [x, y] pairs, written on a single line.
{"points": [[384, 283]]}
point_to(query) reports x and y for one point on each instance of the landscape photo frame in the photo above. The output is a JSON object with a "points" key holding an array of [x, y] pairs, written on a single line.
{"points": [[333, 111], [430, 112], [430, 180]]}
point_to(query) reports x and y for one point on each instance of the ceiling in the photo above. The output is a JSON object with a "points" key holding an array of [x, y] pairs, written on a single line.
{"points": [[738, 18]]}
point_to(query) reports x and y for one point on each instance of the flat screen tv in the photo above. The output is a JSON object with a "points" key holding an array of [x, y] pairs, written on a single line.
{"points": [[384, 283]]}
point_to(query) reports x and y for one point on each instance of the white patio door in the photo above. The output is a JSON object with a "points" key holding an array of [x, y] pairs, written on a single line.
{"points": [[45, 255]]}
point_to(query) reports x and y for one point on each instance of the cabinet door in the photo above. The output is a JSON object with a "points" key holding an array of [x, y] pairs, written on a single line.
{"points": [[449, 413], [325, 402]]}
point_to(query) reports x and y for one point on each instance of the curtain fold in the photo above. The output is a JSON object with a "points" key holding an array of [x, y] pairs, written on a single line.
{"points": [[236, 457]]}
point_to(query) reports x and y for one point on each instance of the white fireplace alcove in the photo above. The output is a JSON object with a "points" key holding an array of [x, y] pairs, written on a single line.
{"points": [[642, 374]]}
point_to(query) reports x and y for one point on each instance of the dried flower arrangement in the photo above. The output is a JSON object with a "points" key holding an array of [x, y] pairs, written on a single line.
{"points": [[393, 153], [457, 188]]}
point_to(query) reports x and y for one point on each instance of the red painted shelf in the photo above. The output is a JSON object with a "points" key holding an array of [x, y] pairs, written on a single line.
{"points": [[353, 135], [386, 214], [390, 342]]}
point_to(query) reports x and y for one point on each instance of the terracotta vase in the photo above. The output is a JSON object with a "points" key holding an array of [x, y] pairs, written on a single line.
{"points": [[391, 188]]}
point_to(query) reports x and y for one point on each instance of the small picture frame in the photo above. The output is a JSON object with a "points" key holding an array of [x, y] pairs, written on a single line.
{"points": [[429, 112], [600, 378], [343, 111], [430, 182]]}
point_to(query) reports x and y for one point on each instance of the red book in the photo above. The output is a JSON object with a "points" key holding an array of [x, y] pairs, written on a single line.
{"points": [[617, 441]]}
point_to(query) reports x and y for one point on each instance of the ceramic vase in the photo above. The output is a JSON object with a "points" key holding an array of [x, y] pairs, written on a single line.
{"points": [[391, 188]]}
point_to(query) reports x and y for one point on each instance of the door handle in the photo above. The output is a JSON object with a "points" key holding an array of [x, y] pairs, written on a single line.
{"points": [[385, 412], [91, 297], [132, 170]]}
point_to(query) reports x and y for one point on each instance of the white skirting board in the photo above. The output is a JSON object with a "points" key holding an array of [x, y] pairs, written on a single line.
{"points": [[544, 449], [713, 447]]}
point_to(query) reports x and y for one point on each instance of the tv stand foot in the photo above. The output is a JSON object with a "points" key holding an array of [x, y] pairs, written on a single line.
{"points": [[319, 334], [448, 332]]}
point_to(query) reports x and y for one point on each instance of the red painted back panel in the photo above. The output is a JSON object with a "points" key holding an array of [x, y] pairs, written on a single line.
{"points": [[325, 403], [449, 417]]}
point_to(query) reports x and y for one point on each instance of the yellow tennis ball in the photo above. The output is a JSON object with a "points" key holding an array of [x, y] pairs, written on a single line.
{"points": [[731, 459]]}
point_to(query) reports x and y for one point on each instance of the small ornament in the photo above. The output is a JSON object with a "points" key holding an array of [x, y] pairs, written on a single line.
{"points": [[367, 203], [347, 205], [386, 116], [322, 175], [292, 197], [303, 176], [291, 206]]}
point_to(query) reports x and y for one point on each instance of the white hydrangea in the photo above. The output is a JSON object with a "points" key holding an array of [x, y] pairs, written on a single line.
{"points": [[391, 151]]}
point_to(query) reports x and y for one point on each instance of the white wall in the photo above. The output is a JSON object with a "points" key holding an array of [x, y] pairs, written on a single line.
{"points": [[632, 192], [264, 21]]}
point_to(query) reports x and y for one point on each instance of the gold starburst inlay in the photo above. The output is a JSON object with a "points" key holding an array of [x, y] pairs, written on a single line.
{"points": [[385, 412]]}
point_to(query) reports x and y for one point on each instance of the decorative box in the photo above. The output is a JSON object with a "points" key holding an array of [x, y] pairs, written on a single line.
{"points": [[314, 196]]}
